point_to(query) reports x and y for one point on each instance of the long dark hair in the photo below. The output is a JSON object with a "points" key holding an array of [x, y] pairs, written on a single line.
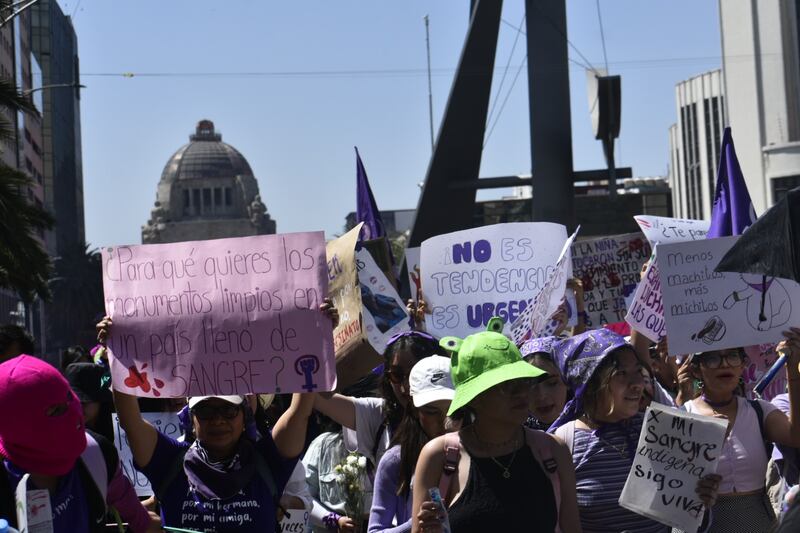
{"points": [[411, 438]]}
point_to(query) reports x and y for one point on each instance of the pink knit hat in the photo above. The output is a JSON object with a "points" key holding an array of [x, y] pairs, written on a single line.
{"points": [[46, 433]]}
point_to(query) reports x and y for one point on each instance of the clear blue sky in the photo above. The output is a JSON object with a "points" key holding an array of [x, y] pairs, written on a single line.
{"points": [[298, 131]]}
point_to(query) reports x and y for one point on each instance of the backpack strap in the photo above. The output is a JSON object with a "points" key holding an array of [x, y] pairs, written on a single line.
{"points": [[567, 434], [760, 417], [452, 456], [95, 462], [541, 444]]}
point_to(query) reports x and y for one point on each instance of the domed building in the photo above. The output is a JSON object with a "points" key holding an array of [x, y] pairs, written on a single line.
{"points": [[207, 191]]}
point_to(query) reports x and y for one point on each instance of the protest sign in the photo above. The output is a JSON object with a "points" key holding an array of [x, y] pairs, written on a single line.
{"points": [[383, 311], [414, 278], [706, 310], [675, 450], [666, 230], [472, 275], [535, 321], [609, 269], [646, 311], [166, 423], [761, 358], [343, 289], [218, 317], [296, 523]]}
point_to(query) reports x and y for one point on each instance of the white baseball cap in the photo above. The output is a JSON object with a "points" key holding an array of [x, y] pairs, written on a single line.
{"points": [[235, 400], [430, 380]]}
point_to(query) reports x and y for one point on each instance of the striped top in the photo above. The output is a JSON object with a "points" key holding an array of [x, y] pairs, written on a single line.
{"points": [[601, 470]]}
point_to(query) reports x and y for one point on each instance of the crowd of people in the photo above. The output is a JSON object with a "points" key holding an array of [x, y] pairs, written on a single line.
{"points": [[447, 435]]}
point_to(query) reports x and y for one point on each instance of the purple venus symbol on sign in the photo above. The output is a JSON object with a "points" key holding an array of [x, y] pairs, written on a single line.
{"points": [[307, 366]]}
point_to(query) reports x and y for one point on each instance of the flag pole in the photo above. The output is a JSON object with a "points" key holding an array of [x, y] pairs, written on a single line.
{"points": [[430, 89]]}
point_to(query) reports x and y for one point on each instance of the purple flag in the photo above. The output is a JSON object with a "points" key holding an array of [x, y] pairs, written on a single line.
{"points": [[366, 208], [733, 210]]}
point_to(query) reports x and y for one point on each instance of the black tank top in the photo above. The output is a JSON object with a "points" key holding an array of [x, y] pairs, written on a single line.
{"points": [[491, 502]]}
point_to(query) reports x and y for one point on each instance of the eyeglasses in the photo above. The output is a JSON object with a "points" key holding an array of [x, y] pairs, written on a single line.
{"points": [[397, 375], [210, 412], [514, 387], [714, 359]]}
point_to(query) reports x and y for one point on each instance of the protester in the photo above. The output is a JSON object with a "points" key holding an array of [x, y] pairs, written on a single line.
{"points": [[743, 504], [374, 420], [296, 496], [324, 453], [506, 477], [549, 392], [90, 384], [601, 427], [74, 354], [221, 480], [783, 471], [14, 341], [432, 390], [45, 444]]}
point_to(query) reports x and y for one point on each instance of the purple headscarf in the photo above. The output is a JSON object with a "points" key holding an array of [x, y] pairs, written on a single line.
{"points": [[579, 357], [540, 345]]}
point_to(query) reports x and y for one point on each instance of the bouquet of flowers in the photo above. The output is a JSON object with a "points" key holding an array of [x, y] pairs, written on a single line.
{"points": [[350, 475]]}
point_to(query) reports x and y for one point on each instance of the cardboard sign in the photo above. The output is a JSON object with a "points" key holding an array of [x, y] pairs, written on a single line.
{"points": [[343, 289], [675, 450], [535, 320], [296, 523], [707, 310], [414, 276], [166, 423], [609, 269], [34, 510], [218, 317], [472, 275], [646, 311], [666, 230], [383, 311]]}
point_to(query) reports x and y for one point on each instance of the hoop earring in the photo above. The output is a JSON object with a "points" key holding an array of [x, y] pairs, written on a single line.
{"points": [[699, 384]]}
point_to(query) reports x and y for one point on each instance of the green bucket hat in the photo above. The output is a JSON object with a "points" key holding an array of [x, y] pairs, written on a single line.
{"points": [[482, 361]]}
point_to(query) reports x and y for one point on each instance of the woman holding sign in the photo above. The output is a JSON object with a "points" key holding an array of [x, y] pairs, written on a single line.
{"points": [[494, 474], [601, 427], [223, 481], [753, 425]]}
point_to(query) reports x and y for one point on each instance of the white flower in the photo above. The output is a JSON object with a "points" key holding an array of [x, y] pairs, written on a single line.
{"points": [[339, 478], [350, 469], [362, 462], [352, 460]]}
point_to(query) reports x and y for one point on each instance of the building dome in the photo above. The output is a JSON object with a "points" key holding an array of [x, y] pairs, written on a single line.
{"points": [[207, 190], [206, 156]]}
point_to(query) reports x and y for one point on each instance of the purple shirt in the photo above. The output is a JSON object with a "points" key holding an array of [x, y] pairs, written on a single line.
{"points": [[252, 510], [69, 503], [387, 506]]}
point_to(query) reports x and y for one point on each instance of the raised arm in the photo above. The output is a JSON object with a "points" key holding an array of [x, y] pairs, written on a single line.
{"points": [[341, 409], [780, 428], [289, 432]]}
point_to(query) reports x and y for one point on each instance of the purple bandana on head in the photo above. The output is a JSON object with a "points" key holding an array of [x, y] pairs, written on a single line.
{"points": [[541, 345], [579, 358]]}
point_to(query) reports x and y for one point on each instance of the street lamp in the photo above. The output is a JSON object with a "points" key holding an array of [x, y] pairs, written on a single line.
{"points": [[29, 92], [15, 9]]}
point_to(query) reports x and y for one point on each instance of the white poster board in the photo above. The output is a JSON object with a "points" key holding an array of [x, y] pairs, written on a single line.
{"points": [[384, 313], [472, 275], [646, 310], [296, 523], [707, 310], [675, 450], [667, 230], [166, 423]]}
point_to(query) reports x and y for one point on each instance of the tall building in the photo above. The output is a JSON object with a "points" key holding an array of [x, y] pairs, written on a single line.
{"points": [[694, 143], [55, 47], [207, 191], [761, 78]]}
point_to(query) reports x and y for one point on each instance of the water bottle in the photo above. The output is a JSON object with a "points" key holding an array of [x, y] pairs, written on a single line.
{"points": [[5, 528], [436, 497]]}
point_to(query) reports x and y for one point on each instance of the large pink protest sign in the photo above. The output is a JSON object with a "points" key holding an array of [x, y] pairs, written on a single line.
{"points": [[227, 316]]}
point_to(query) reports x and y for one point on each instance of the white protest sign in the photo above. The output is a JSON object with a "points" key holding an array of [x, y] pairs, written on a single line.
{"points": [[296, 523], [609, 269], [472, 275], [34, 511], [166, 423], [675, 450], [412, 264], [666, 230], [646, 311], [384, 313], [535, 319], [707, 310]]}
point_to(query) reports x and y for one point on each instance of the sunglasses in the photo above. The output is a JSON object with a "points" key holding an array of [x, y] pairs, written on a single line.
{"points": [[714, 359], [516, 387], [210, 412]]}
